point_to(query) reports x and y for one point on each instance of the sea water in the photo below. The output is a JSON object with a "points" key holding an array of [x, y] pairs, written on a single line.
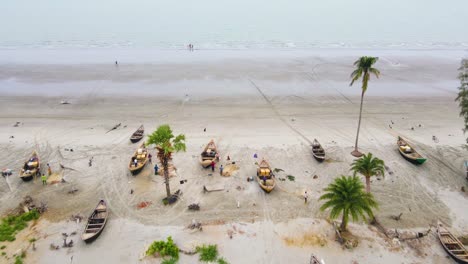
{"points": [[229, 24]]}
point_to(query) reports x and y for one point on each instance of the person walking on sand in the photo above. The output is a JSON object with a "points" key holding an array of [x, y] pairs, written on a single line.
{"points": [[156, 168], [149, 158], [305, 197], [213, 165], [49, 170], [44, 179], [221, 168]]}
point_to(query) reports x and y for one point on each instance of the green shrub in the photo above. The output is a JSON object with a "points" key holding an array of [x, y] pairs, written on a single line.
{"points": [[169, 261], [11, 225], [3, 253], [207, 252], [222, 261], [164, 248], [291, 177], [3, 247], [19, 260]]}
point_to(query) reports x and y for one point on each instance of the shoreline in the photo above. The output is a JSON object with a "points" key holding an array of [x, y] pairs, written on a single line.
{"points": [[272, 108]]}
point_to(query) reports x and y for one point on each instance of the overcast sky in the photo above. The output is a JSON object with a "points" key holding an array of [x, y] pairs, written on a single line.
{"points": [[143, 21]]}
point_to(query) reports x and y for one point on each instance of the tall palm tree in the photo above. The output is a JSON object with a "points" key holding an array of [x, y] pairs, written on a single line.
{"points": [[368, 166], [363, 69], [462, 97], [346, 196], [166, 144]]}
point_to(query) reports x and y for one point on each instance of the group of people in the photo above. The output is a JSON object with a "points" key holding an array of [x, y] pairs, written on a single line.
{"points": [[190, 47]]}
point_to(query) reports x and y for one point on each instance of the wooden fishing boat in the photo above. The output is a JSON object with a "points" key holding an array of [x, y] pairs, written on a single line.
{"points": [[31, 168], [452, 245], [138, 134], [408, 152], [96, 222], [209, 154], [317, 151], [315, 260], [141, 158], [265, 177]]}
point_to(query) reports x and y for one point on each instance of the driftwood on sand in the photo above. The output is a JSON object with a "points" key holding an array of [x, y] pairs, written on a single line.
{"points": [[114, 128]]}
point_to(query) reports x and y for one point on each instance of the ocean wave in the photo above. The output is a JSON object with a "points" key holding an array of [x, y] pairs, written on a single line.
{"points": [[230, 45]]}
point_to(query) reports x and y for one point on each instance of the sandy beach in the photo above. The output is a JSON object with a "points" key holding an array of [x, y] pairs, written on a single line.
{"points": [[265, 105]]}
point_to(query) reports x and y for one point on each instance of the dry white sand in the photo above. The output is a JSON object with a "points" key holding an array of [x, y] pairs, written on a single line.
{"points": [[264, 109]]}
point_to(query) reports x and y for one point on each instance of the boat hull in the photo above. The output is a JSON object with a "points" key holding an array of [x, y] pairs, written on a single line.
{"points": [[135, 140], [319, 158], [27, 178], [137, 170], [91, 239], [417, 161], [454, 257]]}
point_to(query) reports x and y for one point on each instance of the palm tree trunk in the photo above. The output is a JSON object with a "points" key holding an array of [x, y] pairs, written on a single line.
{"points": [[359, 123], [344, 221], [165, 163], [368, 184]]}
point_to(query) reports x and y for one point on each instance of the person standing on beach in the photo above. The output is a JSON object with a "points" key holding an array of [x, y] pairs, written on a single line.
{"points": [[44, 179], [49, 170], [156, 168], [305, 197], [221, 168], [149, 157], [213, 165]]}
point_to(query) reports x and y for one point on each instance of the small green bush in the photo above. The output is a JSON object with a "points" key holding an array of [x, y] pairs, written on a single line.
{"points": [[32, 240], [11, 225], [207, 252], [3, 247], [3, 253], [222, 261], [291, 178], [164, 248], [19, 260], [169, 261]]}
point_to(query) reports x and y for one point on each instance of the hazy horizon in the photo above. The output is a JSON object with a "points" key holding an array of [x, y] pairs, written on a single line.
{"points": [[237, 23]]}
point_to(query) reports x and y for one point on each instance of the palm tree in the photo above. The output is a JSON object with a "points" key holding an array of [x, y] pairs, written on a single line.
{"points": [[462, 97], [346, 196], [364, 69], [368, 167], [166, 144]]}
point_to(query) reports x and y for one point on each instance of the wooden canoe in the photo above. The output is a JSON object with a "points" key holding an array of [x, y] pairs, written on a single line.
{"points": [[31, 168], [265, 176], [209, 154], [315, 260], [138, 134], [408, 152], [141, 155], [317, 151], [96, 222], [452, 245]]}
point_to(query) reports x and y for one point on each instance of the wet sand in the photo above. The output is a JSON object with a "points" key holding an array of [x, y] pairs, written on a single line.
{"points": [[275, 118]]}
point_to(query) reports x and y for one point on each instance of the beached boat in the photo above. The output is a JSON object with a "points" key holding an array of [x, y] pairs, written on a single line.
{"points": [[138, 134], [96, 222], [265, 177], [31, 168], [452, 245], [315, 260], [141, 158], [408, 152], [317, 151], [209, 154]]}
